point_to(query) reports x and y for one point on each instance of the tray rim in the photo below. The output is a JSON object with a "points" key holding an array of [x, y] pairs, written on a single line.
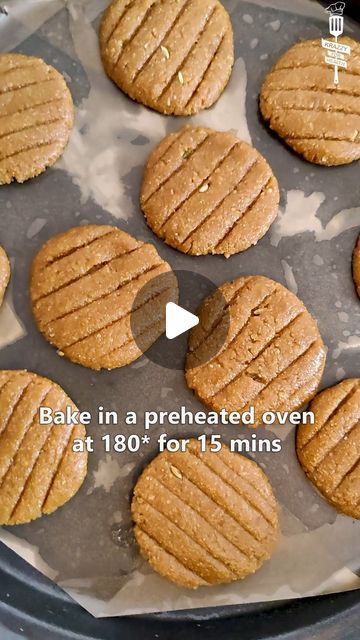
{"points": [[26, 593]]}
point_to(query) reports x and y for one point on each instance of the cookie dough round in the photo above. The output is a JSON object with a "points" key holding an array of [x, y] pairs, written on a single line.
{"points": [[329, 450], [203, 519], [36, 116], [356, 266], [273, 357], [84, 283], [4, 273], [206, 191], [299, 100], [39, 471], [174, 56]]}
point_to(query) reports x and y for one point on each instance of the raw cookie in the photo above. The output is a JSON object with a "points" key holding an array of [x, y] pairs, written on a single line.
{"points": [[329, 450], [318, 119], [273, 357], [204, 518], [36, 116], [39, 471], [206, 191], [84, 283], [4, 273], [174, 56], [356, 266]]}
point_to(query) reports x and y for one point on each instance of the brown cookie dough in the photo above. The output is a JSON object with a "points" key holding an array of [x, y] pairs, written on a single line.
{"points": [[299, 100], [174, 56], [356, 266], [206, 191], [273, 357], [36, 116], [204, 518], [329, 450], [39, 471], [4, 273], [84, 287]]}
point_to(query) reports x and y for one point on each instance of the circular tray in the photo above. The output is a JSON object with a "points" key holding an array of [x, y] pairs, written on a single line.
{"points": [[33, 607]]}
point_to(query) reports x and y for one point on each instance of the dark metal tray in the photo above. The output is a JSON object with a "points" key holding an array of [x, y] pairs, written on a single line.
{"points": [[33, 607]]}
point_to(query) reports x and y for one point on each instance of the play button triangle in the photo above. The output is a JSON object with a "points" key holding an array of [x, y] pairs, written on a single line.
{"points": [[178, 320]]}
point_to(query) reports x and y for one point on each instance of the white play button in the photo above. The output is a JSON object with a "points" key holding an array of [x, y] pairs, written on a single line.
{"points": [[178, 320]]}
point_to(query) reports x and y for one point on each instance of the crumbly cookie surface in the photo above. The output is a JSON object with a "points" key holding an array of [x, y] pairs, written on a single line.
{"points": [[206, 191], [329, 450], [84, 285], [273, 357], [4, 273], [37, 116], [315, 117], [39, 472], [174, 56], [203, 519]]}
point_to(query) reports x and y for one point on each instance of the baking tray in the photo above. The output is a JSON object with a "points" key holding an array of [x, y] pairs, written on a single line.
{"points": [[32, 606], [39, 610]]}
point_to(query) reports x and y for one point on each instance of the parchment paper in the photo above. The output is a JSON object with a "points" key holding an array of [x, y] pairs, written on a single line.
{"points": [[87, 547]]}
